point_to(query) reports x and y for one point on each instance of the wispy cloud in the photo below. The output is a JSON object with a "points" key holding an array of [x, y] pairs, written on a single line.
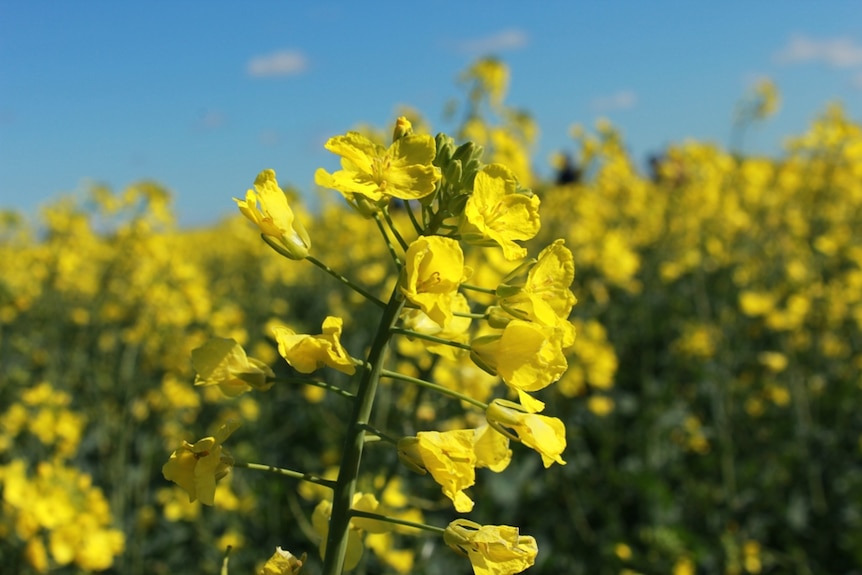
{"points": [[835, 52], [269, 138], [209, 120], [281, 63], [509, 39], [622, 100]]}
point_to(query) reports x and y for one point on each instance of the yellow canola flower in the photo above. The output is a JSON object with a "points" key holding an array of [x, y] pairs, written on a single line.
{"points": [[545, 297], [751, 554], [600, 405], [684, 566], [492, 549], [282, 563], [497, 212], [45, 394], [767, 98], [549, 280], [491, 448], [491, 77], [403, 127], [274, 216], [546, 435], [453, 330], [383, 545], [307, 353], [223, 362], [434, 269], [404, 170], [528, 357], [60, 503], [197, 467], [450, 459], [756, 303], [37, 555], [773, 360], [85, 544], [623, 551]]}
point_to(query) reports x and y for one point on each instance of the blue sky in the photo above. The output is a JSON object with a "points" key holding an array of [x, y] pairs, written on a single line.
{"points": [[200, 96]]}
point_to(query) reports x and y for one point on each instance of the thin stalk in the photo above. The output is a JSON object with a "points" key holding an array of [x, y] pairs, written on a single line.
{"points": [[423, 526], [322, 384], [389, 245], [379, 434], [470, 315], [440, 340], [393, 229], [436, 387], [479, 289], [342, 497], [413, 219], [311, 478], [367, 295], [225, 560]]}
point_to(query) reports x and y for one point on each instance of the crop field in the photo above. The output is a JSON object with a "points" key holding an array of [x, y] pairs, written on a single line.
{"points": [[450, 363]]}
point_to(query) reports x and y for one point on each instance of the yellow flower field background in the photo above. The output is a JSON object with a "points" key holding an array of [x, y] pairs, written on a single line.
{"points": [[711, 401]]}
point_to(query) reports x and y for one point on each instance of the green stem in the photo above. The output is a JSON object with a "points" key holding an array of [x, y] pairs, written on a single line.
{"points": [[225, 560], [436, 387], [470, 315], [322, 384], [392, 227], [345, 281], [413, 220], [389, 245], [440, 340], [480, 289], [342, 497], [423, 526], [289, 473], [379, 434]]}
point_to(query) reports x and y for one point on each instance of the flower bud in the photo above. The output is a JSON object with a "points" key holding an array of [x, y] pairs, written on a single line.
{"points": [[453, 172], [468, 151], [403, 127], [445, 149]]}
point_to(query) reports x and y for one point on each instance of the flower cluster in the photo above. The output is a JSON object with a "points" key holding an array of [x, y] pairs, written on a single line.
{"points": [[516, 329]]}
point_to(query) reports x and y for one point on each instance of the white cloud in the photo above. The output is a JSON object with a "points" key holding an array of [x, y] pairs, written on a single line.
{"points": [[622, 100], [836, 52], [509, 39], [281, 63]]}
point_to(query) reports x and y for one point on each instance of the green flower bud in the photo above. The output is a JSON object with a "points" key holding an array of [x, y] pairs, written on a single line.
{"points": [[453, 172], [468, 151], [445, 149]]}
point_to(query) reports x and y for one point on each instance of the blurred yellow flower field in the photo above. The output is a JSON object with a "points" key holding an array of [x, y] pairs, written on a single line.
{"points": [[692, 338]]}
